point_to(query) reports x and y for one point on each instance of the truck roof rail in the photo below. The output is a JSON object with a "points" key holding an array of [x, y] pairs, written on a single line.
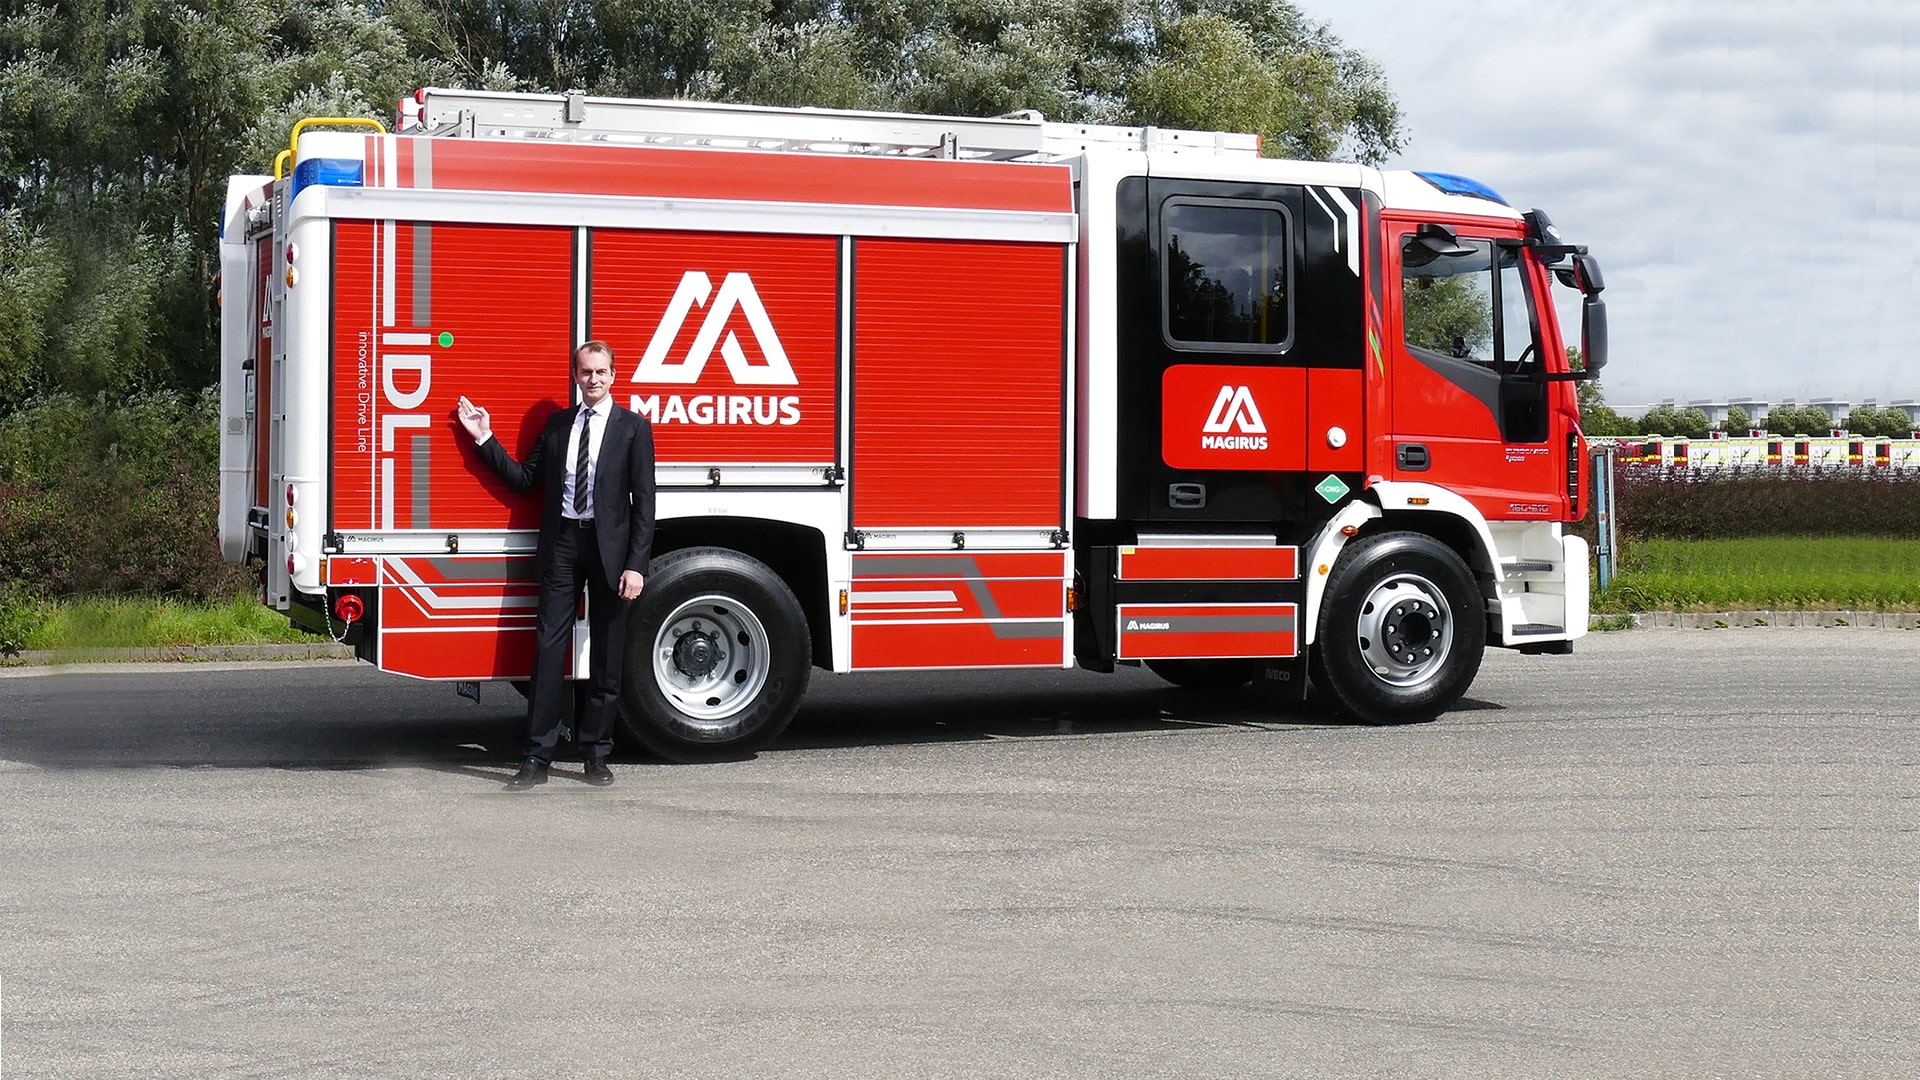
{"points": [[575, 116]]}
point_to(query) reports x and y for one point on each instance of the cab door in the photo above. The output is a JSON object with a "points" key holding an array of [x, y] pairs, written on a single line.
{"points": [[1470, 397], [1239, 351]]}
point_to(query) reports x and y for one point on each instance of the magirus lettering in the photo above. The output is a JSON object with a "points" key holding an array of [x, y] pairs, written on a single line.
{"points": [[1234, 408], [736, 294], [1233, 442], [710, 409]]}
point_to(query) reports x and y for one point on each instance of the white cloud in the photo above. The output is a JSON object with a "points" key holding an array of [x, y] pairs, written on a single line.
{"points": [[1749, 174]]}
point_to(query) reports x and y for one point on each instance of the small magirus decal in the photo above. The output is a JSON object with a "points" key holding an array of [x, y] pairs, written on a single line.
{"points": [[1234, 409]]}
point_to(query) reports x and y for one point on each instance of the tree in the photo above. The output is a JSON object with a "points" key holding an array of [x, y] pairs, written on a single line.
{"points": [[1596, 419], [119, 125], [1679, 423], [1738, 422], [1877, 423], [1258, 66], [1798, 420], [1246, 65]]}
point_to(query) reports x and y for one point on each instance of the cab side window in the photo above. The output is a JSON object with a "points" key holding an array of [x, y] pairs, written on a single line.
{"points": [[1469, 313], [1226, 275]]}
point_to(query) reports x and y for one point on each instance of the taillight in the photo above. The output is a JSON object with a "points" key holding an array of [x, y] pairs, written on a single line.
{"points": [[1573, 477]]}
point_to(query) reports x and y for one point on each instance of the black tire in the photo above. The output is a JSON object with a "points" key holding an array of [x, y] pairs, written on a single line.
{"points": [[1402, 629], [1206, 675], [718, 656]]}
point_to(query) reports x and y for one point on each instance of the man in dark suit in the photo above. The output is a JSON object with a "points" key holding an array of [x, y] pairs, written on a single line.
{"points": [[595, 464]]}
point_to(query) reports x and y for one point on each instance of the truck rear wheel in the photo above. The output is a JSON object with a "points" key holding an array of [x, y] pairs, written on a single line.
{"points": [[718, 655], [1206, 675], [1402, 629]]}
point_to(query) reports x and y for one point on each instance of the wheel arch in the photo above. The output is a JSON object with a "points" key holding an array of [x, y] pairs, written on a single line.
{"points": [[796, 553], [1390, 506]]}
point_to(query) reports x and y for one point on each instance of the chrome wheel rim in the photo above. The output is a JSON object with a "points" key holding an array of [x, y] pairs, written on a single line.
{"points": [[1405, 630], [711, 659]]}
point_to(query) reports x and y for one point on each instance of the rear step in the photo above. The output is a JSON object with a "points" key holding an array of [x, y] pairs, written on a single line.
{"points": [[1534, 629], [1527, 567]]}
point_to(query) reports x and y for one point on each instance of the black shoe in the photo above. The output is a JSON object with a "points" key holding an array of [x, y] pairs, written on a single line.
{"points": [[532, 772], [597, 772]]}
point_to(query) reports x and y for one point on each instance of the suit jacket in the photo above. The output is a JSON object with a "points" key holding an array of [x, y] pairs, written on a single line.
{"points": [[622, 488]]}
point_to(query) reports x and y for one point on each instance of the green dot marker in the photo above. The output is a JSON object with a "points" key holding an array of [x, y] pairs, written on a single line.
{"points": [[446, 340]]}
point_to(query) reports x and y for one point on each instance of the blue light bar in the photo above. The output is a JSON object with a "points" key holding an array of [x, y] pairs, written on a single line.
{"points": [[1461, 185], [329, 172]]}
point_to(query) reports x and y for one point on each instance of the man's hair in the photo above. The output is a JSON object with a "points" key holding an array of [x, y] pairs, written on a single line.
{"points": [[596, 345]]}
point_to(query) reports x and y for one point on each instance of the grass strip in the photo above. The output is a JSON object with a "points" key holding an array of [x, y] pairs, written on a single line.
{"points": [[137, 622], [1779, 573]]}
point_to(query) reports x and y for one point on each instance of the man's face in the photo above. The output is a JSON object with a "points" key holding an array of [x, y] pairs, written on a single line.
{"points": [[593, 374]]}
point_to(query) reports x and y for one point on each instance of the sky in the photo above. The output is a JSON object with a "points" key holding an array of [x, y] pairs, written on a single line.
{"points": [[1748, 174]]}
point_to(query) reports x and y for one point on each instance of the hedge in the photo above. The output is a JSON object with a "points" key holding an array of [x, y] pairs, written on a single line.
{"points": [[100, 496]]}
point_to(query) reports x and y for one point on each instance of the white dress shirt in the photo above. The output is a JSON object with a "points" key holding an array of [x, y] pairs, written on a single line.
{"points": [[573, 454], [600, 414]]}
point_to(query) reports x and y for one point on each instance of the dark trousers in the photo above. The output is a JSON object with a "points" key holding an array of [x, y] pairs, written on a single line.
{"points": [[575, 566]]}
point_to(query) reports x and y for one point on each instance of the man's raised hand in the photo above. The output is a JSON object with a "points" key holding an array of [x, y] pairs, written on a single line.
{"points": [[475, 419]]}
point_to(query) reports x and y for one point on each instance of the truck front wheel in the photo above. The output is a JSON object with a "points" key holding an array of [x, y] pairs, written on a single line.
{"points": [[1401, 631], [718, 655]]}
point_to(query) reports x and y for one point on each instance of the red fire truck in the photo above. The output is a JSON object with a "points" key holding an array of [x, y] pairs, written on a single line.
{"points": [[928, 392]]}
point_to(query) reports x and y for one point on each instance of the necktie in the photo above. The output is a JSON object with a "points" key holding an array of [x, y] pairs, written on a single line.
{"points": [[580, 462]]}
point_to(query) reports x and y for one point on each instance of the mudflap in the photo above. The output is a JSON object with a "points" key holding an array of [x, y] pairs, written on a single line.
{"points": [[1283, 679]]}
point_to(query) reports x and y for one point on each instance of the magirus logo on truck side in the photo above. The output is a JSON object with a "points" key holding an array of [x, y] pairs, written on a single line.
{"points": [[1234, 408], [736, 294]]}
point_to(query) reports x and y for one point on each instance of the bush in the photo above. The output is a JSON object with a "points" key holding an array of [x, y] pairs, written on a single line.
{"points": [[103, 496], [1735, 503]]}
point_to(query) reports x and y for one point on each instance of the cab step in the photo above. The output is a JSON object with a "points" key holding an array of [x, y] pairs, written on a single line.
{"points": [[1527, 567]]}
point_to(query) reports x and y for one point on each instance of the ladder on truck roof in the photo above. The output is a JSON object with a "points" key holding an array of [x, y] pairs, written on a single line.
{"points": [[1025, 135]]}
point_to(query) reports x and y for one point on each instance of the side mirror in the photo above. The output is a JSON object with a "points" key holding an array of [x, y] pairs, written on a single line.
{"points": [[1586, 275], [1593, 335], [1441, 240], [1433, 241]]}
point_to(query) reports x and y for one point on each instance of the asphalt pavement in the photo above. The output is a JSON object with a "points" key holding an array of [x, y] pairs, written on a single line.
{"points": [[1674, 853]]}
